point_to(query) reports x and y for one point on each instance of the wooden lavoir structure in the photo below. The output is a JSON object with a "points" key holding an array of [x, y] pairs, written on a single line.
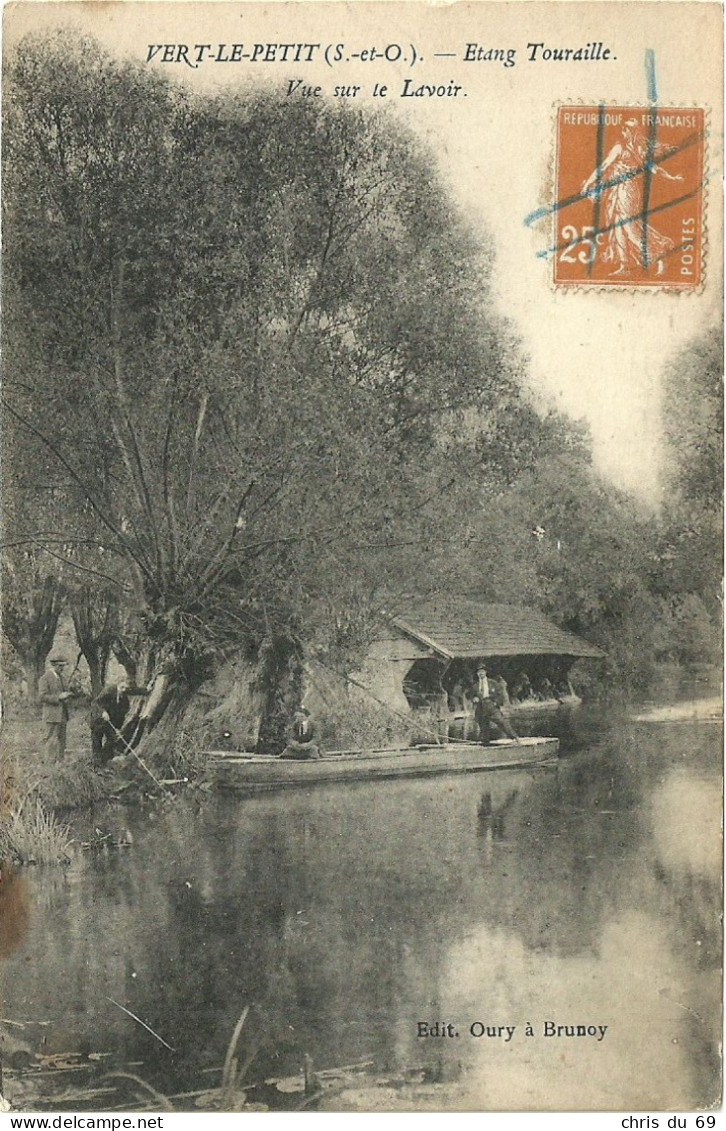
{"points": [[424, 653], [417, 667], [258, 773]]}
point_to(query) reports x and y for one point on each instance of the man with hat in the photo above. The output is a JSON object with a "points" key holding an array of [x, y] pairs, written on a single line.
{"points": [[54, 695]]}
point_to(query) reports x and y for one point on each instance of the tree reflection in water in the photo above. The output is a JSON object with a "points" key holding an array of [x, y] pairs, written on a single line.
{"points": [[346, 915]]}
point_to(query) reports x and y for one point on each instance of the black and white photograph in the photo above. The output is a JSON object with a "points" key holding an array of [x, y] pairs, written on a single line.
{"points": [[362, 558]]}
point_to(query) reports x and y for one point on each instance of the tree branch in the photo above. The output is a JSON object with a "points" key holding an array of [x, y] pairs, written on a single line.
{"points": [[87, 494]]}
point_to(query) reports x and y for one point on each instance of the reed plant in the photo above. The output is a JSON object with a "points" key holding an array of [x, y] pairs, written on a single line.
{"points": [[31, 835]]}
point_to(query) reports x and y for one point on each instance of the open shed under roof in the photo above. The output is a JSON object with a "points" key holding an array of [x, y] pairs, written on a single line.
{"points": [[457, 627]]}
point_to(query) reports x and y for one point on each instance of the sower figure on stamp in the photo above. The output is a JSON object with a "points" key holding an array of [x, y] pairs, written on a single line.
{"points": [[301, 745], [54, 695], [631, 238]]}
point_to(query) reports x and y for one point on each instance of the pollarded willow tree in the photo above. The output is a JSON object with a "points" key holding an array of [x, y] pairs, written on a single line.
{"points": [[248, 329], [33, 600]]}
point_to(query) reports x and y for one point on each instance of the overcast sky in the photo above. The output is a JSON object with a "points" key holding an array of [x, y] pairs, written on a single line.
{"points": [[599, 355]]}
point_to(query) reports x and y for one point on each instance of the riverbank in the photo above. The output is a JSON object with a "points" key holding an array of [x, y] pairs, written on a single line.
{"points": [[77, 1081], [67, 786], [43, 796]]}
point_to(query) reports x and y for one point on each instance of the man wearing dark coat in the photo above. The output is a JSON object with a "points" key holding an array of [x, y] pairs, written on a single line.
{"points": [[109, 711], [301, 746]]}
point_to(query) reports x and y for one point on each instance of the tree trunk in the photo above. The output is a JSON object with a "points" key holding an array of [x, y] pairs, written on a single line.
{"points": [[30, 625], [33, 666], [170, 713], [128, 661], [157, 730], [95, 617], [97, 672], [280, 680]]}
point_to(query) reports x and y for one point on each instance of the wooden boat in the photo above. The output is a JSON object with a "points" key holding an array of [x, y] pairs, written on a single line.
{"points": [[255, 773]]}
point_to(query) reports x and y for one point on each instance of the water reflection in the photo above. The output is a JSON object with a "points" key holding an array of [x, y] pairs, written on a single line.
{"points": [[643, 1058], [14, 910], [586, 893]]}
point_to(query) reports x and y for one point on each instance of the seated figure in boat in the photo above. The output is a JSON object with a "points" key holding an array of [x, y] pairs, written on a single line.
{"points": [[491, 721], [301, 746]]}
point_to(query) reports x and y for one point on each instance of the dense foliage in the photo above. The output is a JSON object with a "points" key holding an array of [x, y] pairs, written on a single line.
{"points": [[255, 392]]}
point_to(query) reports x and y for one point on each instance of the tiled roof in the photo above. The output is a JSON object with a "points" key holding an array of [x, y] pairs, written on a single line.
{"points": [[457, 626]]}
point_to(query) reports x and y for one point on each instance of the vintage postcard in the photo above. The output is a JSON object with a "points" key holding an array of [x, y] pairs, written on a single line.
{"points": [[362, 488]]}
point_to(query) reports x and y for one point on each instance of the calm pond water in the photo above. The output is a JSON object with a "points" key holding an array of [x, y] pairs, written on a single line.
{"points": [[582, 894]]}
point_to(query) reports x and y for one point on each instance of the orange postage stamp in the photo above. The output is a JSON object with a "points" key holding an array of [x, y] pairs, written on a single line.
{"points": [[629, 197]]}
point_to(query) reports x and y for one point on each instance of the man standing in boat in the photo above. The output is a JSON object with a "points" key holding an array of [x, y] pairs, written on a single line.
{"points": [[491, 721]]}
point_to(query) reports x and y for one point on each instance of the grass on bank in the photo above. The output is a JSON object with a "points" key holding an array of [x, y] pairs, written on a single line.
{"points": [[35, 790], [29, 834]]}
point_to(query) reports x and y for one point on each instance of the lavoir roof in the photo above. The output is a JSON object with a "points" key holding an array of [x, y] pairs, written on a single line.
{"points": [[458, 627]]}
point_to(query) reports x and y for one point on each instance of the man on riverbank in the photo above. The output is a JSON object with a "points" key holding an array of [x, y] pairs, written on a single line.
{"points": [[54, 695], [108, 714]]}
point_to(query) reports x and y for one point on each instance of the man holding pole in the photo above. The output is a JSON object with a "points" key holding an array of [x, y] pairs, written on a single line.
{"points": [[109, 712], [491, 721]]}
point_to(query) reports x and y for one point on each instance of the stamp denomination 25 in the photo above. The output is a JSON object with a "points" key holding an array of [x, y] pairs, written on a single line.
{"points": [[629, 197]]}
